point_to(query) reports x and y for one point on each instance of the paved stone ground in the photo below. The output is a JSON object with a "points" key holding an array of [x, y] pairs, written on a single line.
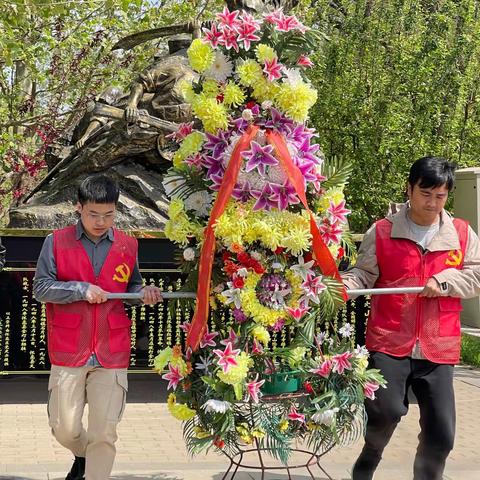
{"points": [[150, 445]]}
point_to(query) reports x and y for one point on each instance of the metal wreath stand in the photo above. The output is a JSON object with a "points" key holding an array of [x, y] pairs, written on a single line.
{"points": [[313, 458]]}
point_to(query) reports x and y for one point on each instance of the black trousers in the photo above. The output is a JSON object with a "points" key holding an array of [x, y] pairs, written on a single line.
{"points": [[432, 384]]}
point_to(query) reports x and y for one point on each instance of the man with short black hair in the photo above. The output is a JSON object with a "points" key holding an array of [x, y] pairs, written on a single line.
{"points": [[414, 340], [88, 335]]}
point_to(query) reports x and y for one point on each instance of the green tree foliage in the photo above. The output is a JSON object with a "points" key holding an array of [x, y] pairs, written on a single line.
{"points": [[55, 57], [398, 79]]}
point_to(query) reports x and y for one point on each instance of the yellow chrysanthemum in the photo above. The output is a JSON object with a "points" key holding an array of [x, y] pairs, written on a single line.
{"points": [[191, 144], [244, 433], [233, 95], [261, 334], [236, 375], [334, 249], [200, 55], [295, 99], [264, 90], [186, 89], [258, 432], [334, 195], [212, 114], [180, 363], [265, 52], [178, 227], [283, 425], [180, 411], [297, 240], [176, 208], [249, 72], [201, 432], [361, 365], [210, 88], [161, 360]]}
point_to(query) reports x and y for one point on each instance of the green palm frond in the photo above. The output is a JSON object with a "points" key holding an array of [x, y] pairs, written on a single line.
{"points": [[348, 244], [291, 46], [331, 300], [337, 170]]}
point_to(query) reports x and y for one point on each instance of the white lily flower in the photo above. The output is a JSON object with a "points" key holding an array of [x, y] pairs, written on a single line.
{"points": [[326, 417], [217, 406], [303, 269]]}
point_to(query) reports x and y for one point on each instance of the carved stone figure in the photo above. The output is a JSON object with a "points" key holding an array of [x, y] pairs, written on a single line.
{"points": [[124, 136]]}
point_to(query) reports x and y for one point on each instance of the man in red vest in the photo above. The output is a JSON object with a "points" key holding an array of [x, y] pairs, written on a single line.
{"points": [[415, 339], [88, 335]]}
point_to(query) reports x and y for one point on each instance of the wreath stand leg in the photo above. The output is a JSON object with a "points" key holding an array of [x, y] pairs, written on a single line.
{"points": [[313, 460]]}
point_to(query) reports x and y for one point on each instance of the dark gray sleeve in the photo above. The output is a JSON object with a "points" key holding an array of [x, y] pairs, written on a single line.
{"points": [[46, 287], [135, 284], [2, 255]]}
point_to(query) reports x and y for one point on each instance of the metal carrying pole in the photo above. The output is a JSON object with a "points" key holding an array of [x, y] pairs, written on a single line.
{"points": [[350, 293]]}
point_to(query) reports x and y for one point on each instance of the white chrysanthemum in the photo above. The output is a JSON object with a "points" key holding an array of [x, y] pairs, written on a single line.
{"points": [[217, 406], [326, 418], [227, 153], [221, 69], [189, 254], [172, 183], [293, 76], [276, 174], [257, 181], [199, 202]]}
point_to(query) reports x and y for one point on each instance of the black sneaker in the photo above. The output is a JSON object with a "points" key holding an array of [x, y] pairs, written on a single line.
{"points": [[77, 472]]}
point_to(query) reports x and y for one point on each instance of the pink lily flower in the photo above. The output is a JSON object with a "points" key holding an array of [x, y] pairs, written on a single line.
{"points": [[369, 390], [297, 313], [185, 327], [274, 17], [246, 34], [341, 362], [273, 69], [183, 130], [228, 18], [207, 339], [257, 347], [331, 232], [229, 39], [253, 389], [304, 61], [212, 36], [173, 376], [295, 416], [338, 212], [227, 357], [232, 338], [250, 20], [324, 369]]}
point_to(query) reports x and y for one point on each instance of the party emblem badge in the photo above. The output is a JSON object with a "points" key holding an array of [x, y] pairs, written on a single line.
{"points": [[122, 273], [454, 258]]}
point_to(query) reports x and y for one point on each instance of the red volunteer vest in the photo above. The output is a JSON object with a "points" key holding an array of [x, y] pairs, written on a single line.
{"points": [[76, 330], [396, 321]]}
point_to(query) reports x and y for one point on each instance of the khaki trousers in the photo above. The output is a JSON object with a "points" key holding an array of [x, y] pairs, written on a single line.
{"points": [[104, 389]]}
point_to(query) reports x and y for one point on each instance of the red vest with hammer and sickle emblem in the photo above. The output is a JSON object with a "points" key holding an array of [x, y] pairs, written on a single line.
{"points": [[76, 330], [397, 321]]}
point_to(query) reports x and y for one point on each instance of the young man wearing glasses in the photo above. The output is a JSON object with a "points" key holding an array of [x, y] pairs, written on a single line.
{"points": [[88, 335]]}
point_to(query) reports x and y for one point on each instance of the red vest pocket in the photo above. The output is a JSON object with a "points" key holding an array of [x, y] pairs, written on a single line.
{"points": [[449, 309], [386, 311], [119, 334], [65, 332]]}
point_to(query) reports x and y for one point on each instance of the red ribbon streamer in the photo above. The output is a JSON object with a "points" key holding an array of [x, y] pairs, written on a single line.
{"points": [[323, 256], [200, 318]]}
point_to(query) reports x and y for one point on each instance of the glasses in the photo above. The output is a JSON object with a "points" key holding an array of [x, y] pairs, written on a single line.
{"points": [[96, 217]]}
